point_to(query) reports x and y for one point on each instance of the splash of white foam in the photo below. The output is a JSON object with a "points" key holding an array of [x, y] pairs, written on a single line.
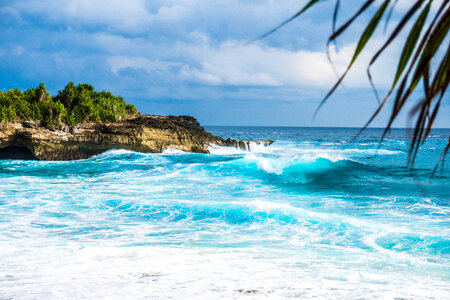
{"points": [[96, 271], [221, 150], [173, 151], [113, 152]]}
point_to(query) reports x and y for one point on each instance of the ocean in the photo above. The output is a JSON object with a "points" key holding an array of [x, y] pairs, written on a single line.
{"points": [[314, 215]]}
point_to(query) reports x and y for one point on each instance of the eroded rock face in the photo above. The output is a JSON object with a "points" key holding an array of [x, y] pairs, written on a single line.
{"points": [[144, 133]]}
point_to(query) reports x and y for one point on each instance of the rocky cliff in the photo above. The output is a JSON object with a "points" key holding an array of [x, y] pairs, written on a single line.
{"points": [[144, 133]]}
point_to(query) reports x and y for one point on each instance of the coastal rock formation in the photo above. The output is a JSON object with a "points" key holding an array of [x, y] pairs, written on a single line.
{"points": [[143, 133], [248, 145]]}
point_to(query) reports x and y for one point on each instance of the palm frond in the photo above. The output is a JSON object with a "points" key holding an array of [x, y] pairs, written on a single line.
{"points": [[310, 4], [365, 37], [415, 64]]}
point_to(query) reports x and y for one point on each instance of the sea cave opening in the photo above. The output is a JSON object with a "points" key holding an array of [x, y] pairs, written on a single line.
{"points": [[16, 152]]}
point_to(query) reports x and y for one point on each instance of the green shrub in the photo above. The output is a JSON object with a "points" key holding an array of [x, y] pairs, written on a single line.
{"points": [[73, 105]]}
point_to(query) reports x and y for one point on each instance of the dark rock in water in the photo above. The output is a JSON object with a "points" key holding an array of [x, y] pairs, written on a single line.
{"points": [[248, 144], [143, 133], [248, 292]]}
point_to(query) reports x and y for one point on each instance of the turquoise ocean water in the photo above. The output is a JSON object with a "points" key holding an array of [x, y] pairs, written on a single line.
{"points": [[314, 215]]}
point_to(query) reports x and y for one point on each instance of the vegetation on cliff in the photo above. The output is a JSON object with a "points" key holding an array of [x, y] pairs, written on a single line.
{"points": [[73, 105]]}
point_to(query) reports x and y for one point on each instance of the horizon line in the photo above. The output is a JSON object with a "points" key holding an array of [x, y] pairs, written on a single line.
{"points": [[285, 126]]}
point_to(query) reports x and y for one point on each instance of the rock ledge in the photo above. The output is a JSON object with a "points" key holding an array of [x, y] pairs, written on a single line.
{"points": [[143, 133]]}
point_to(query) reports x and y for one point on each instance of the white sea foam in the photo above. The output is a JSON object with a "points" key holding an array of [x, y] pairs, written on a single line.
{"points": [[303, 151], [267, 164], [113, 152], [173, 151], [221, 150], [270, 206], [212, 227], [305, 154], [96, 271]]}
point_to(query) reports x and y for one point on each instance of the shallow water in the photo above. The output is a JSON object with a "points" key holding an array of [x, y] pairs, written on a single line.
{"points": [[313, 215]]}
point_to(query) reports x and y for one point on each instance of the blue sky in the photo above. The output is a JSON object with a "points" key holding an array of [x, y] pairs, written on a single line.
{"points": [[190, 57]]}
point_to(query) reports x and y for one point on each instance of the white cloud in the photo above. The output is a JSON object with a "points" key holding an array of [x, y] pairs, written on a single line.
{"points": [[172, 13], [404, 5], [118, 63], [234, 64], [179, 47], [130, 15], [140, 16], [18, 50]]}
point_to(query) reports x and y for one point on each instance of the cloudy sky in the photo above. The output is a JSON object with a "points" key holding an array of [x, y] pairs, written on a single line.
{"points": [[191, 57]]}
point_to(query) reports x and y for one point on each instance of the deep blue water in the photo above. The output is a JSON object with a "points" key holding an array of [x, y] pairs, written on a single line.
{"points": [[314, 214]]}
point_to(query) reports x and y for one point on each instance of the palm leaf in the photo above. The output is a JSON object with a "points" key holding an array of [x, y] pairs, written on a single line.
{"points": [[437, 37], [359, 47], [308, 5], [388, 18], [411, 43], [335, 15], [414, 64], [392, 37], [442, 158], [341, 29], [403, 95]]}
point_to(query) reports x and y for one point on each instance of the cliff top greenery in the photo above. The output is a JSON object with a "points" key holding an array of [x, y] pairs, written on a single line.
{"points": [[73, 105]]}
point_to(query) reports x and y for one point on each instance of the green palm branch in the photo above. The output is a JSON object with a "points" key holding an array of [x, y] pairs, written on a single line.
{"points": [[415, 65]]}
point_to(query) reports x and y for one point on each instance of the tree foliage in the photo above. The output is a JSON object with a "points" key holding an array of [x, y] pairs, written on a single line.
{"points": [[73, 105], [420, 61]]}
